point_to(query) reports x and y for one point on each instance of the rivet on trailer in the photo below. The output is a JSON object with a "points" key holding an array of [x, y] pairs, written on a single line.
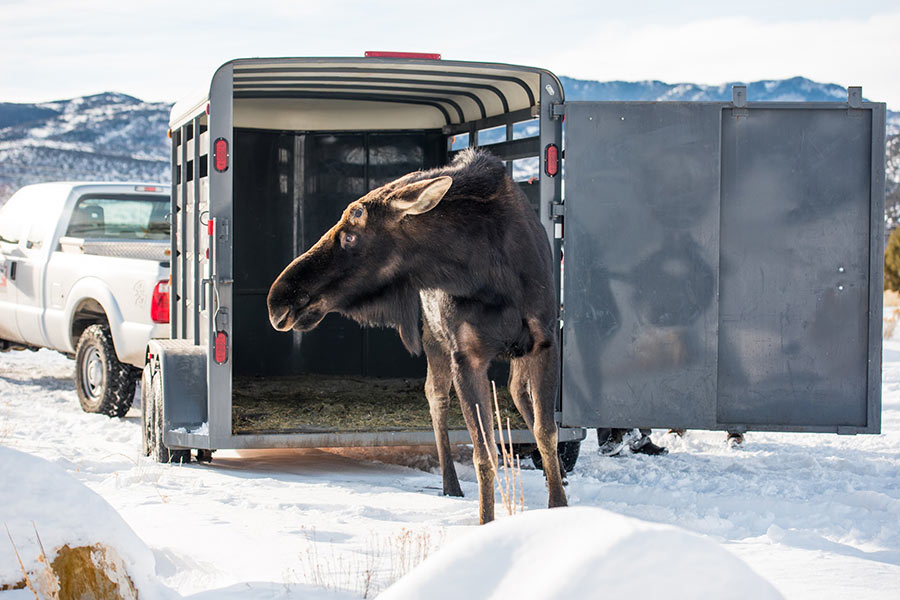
{"points": [[723, 259]]}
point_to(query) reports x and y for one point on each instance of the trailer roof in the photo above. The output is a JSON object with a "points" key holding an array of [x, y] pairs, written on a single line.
{"points": [[398, 93]]}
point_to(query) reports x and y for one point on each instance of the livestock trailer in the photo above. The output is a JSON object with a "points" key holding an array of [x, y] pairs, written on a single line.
{"points": [[723, 260]]}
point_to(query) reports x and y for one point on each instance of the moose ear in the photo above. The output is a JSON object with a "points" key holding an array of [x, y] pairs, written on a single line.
{"points": [[421, 196]]}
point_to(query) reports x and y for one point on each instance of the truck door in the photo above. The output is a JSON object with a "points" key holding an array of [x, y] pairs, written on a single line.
{"points": [[29, 285], [723, 265], [12, 226]]}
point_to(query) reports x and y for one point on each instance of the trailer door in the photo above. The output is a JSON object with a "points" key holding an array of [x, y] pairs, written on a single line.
{"points": [[723, 265]]}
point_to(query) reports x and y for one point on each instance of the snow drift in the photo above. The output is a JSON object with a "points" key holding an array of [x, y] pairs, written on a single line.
{"points": [[77, 529], [571, 552]]}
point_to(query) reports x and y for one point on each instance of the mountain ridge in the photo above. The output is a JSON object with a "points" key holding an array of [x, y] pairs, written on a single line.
{"points": [[113, 136]]}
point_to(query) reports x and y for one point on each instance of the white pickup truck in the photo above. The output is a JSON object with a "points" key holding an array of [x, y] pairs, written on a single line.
{"points": [[84, 270]]}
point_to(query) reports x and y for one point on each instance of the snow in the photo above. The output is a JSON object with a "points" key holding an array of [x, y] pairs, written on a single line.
{"points": [[39, 499], [815, 515], [609, 554]]}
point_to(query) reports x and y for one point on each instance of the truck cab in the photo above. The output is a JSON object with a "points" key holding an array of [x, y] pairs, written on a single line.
{"points": [[76, 256]]}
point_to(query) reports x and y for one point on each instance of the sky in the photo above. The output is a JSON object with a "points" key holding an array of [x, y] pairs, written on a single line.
{"points": [[164, 50]]}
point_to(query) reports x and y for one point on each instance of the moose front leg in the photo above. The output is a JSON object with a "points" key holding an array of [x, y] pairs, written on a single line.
{"points": [[437, 390], [473, 389]]}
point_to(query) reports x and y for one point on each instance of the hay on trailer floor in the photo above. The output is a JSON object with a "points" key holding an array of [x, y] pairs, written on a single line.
{"points": [[324, 403]]}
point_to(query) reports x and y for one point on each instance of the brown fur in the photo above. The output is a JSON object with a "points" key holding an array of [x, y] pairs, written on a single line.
{"points": [[460, 248]]}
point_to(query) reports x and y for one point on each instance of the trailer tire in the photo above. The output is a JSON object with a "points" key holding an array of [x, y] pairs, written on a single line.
{"points": [[568, 455], [152, 420], [104, 385]]}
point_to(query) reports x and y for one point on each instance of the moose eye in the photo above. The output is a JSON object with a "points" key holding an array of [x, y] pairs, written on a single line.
{"points": [[358, 213], [348, 239]]}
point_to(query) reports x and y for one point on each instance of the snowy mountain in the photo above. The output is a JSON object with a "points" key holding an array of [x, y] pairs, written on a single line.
{"points": [[105, 137], [113, 136]]}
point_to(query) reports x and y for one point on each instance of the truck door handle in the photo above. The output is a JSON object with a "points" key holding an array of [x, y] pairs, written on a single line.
{"points": [[12, 270]]}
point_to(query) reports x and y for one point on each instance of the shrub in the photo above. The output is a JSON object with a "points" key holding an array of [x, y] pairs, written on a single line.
{"points": [[892, 262]]}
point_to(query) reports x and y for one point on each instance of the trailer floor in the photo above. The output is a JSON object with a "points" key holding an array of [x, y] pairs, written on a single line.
{"points": [[323, 403]]}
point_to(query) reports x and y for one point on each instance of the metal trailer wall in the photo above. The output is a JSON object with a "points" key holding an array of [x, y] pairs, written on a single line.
{"points": [[723, 265]]}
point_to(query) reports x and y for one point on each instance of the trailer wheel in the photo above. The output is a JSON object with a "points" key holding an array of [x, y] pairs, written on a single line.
{"points": [[152, 422], [568, 454], [104, 385], [145, 403]]}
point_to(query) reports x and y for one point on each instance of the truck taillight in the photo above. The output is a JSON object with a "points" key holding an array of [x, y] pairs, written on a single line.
{"points": [[159, 304]]}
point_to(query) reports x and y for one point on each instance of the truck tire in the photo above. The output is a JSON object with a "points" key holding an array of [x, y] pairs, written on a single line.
{"points": [[152, 422], [568, 454], [104, 385]]}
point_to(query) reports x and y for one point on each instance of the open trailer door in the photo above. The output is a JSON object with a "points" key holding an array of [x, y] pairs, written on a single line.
{"points": [[723, 265]]}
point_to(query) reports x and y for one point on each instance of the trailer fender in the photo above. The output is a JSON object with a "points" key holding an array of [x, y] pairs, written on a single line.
{"points": [[181, 366]]}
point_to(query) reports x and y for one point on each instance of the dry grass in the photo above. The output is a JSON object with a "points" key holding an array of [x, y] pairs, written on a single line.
{"points": [[889, 324], [383, 561], [510, 483], [6, 428], [42, 581], [325, 403], [75, 572]]}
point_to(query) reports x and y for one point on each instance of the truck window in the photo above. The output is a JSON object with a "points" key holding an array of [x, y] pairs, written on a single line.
{"points": [[120, 216]]}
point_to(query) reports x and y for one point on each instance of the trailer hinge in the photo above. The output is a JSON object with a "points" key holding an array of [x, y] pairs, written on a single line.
{"points": [[854, 96], [222, 229], [557, 210], [855, 100], [739, 101], [557, 110]]}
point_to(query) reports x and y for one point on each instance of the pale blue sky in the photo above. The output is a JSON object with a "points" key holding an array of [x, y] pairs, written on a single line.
{"points": [[163, 50]]}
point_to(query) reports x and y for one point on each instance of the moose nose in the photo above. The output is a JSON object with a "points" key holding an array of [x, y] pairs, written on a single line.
{"points": [[283, 305]]}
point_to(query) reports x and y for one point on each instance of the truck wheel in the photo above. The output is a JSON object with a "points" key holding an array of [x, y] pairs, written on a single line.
{"points": [[568, 454], [104, 385], [152, 422]]}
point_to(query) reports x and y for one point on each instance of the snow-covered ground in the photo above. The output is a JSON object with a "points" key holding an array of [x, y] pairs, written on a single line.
{"points": [[817, 516]]}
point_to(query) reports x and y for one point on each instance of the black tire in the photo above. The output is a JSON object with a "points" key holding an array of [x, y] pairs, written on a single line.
{"points": [[568, 454], [152, 420], [104, 385], [146, 410]]}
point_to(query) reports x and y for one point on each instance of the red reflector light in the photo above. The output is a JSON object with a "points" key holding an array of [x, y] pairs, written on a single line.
{"points": [[551, 160], [207, 108], [210, 225], [220, 152], [220, 348], [422, 55], [159, 303], [147, 188]]}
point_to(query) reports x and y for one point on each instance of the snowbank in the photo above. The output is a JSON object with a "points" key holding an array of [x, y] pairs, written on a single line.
{"points": [[37, 496], [580, 552]]}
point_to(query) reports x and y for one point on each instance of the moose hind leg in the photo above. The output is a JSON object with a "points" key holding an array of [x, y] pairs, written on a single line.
{"points": [[544, 382], [437, 390], [518, 389], [473, 390]]}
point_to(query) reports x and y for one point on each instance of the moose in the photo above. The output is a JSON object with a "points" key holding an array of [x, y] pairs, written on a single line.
{"points": [[460, 249]]}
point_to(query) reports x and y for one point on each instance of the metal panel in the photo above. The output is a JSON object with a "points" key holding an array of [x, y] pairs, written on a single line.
{"points": [[723, 266], [641, 258], [794, 339]]}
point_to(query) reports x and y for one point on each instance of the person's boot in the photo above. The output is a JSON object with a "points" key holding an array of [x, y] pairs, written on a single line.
{"points": [[734, 439], [611, 442], [644, 445]]}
